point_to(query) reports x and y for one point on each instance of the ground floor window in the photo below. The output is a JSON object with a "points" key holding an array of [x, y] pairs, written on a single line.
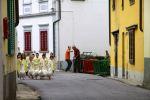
{"points": [[27, 42], [131, 31], [132, 46], [43, 40]]}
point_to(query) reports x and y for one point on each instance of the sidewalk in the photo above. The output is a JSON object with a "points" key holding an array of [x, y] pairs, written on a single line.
{"points": [[26, 93], [127, 81]]}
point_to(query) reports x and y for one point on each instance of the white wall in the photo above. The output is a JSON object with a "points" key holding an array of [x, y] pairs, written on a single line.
{"points": [[35, 22], [85, 24], [146, 28], [35, 6]]}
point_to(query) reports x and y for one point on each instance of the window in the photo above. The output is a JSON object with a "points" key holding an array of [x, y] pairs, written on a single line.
{"points": [[27, 42], [131, 31], [43, 5], [27, 38], [26, 1], [132, 2], [43, 41], [27, 6], [27, 9], [113, 5]]}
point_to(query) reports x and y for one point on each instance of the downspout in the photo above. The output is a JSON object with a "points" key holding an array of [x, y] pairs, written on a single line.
{"points": [[109, 23], [17, 12], [54, 24], [140, 13]]}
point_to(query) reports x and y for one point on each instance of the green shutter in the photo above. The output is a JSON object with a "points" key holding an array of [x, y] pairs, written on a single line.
{"points": [[11, 21]]}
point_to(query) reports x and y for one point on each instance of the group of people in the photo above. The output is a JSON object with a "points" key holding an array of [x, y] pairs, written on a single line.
{"points": [[33, 66], [76, 59]]}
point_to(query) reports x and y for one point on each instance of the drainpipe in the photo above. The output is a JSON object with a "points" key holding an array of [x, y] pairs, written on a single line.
{"points": [[54, 24], [109, 23], [140, 13], [17, 12]]}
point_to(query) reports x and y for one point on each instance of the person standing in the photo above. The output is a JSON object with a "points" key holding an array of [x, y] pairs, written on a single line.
{"points": [[67, 58], [76, 59]]}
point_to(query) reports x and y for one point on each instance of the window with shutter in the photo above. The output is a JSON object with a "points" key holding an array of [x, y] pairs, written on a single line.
{"points": [[131, 31], [27, 42], [131, 46], [43, 41]]}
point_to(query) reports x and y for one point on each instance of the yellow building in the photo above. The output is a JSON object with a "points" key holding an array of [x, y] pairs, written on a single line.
{"points": [[127, 39], [147, 43], [8, 21]]}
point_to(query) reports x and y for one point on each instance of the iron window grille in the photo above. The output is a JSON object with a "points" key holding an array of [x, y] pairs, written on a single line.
{"points": [[131, 31]]}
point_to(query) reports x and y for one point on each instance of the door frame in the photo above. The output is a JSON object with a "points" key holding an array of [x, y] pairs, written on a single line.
{"points": [[116, 38]]}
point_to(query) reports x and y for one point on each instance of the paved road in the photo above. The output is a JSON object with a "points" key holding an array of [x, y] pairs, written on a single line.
{"points": [[70, 86]]}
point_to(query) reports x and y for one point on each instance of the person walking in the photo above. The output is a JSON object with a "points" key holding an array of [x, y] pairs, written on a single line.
{"points": [[76, 59], [67, 58]]}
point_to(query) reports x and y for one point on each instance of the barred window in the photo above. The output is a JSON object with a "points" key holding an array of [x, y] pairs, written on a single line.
{"points": [[27, 42], [43, 41], [131, 31], [132, 46]]}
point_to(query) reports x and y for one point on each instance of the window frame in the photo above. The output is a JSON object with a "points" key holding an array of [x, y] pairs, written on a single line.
{"points": [[43, 28], [28, 29], [43, 3], [26, 5], [27, 42], [131, 31]]}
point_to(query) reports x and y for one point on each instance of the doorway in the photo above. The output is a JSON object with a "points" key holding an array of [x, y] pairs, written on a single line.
{"points": [[123, 55], [115, 34]]}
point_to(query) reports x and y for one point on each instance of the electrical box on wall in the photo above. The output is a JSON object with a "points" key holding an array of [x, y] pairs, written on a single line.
{"points": [[5, 27]]}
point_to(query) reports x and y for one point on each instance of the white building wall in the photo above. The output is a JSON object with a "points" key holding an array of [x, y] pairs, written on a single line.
{"points": [[35, 6], [34, 21], [84, 24]]}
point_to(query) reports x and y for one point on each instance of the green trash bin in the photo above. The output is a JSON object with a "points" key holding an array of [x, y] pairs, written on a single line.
{"points": [[101, 67]]}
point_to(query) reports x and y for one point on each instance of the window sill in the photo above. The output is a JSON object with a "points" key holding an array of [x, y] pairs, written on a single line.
{"points": [[28, 51], [43, 51]]}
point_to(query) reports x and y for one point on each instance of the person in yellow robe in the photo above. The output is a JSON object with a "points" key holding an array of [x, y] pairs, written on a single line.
{"points": [[43, 67], [36, 62], [18, 64], [31, 66], [25, 63], [52, 62]]}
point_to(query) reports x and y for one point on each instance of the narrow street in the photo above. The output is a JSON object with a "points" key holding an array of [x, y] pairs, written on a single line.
{"points": [[71, 86]]}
